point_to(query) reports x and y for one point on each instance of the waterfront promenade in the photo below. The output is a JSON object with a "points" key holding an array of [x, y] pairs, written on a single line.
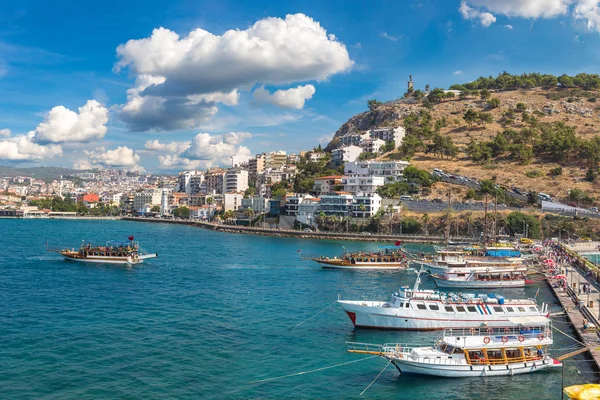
{"points": [[304, 234]]}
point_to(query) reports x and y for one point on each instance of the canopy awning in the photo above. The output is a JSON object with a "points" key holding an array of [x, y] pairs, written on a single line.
{"points": [[533, 320]]}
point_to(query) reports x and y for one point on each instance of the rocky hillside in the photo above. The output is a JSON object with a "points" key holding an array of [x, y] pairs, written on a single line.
{"points": [[514, 110]]}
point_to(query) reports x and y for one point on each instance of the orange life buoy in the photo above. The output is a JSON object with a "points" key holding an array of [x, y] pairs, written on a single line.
{"points": [[504, 339], [490, 330], [506, 330], [472, 331], [540, 337], [521, 338], [486, 340]]}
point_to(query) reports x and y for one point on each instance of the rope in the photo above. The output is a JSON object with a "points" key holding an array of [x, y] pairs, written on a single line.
{"points": [[311, 371], [377, 377], [570, 337], [297, 325]]}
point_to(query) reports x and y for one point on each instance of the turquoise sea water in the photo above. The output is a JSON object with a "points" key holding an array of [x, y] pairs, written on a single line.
{"points": [[214, 312]]}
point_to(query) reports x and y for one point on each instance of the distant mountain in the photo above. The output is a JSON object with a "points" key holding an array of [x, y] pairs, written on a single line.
{"points": [[43, 173]]}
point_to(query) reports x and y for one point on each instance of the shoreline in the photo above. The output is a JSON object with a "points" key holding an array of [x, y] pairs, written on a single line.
{"points": [[300, 234]]}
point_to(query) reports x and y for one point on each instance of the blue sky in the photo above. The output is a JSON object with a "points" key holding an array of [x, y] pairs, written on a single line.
{"points": [[186, 112]]}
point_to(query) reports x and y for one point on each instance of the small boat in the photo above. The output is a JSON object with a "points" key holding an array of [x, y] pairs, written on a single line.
{"points": [[415, 309], [388, 259], [113, 252], [475, 352], [482, 279]]}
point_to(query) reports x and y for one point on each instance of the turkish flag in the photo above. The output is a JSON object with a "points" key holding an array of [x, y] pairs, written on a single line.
{"points": [[130, 237], [398, 243]]}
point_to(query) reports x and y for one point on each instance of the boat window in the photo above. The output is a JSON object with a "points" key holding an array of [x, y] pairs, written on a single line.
{"points": [[434, 307], [512, 353], [460, 309], [532, 309], [421, 307], [472, 309], [498, 309], [495, 354], [522, 309], [476, 355], [406, 305], [461, 275], [449, 309], [509, 309]]}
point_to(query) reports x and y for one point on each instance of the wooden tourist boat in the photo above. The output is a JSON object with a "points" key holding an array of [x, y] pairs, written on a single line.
{"points": [[113, 252], [415, 309], [474, 352], [388, 259]]}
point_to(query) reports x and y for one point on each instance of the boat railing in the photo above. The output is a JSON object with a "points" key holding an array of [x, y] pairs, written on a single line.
{"points": [[511, 332], [380, 349]]}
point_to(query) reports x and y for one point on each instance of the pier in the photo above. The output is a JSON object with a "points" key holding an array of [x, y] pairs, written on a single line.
{"points": [[578, 305]]}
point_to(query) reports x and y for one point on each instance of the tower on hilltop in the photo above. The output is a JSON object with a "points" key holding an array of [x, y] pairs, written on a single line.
{"points": [[411, 84]]}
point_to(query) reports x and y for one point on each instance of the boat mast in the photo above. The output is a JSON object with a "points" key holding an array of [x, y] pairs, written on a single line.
{"points": [[416, 287]]}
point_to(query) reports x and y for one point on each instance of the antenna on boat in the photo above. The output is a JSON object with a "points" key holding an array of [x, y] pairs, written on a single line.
{"points": [[416, 287]]}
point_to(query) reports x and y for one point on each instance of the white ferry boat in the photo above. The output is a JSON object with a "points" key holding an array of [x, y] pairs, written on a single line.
{"points": [[113, 252], [414, 309], [475, 352], [446, 259], [482, 279]]}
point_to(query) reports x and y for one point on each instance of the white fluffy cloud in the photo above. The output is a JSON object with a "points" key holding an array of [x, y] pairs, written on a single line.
{"points": [[290, 98], [181, 79], [62, 125], [121, 157], [173, 147], [23, 148], [204, 151], [5, 132], [585, 10], [485, 18]]}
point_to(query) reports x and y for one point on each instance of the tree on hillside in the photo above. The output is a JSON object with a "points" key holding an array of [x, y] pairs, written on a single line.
{"points": [[565, 81], [373, 104], [485, 118], [485, 94], [470, 116], [520, 223], [493, 103]]}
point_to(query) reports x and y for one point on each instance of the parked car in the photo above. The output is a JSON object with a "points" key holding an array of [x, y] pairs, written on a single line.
{"points": [[365, 233], [594, 209], [405, 197]]}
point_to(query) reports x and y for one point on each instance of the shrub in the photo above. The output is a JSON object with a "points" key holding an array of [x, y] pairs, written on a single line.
{"points": [[534, 173]]}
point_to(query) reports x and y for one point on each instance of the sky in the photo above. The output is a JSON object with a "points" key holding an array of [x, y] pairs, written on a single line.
{"points": [[163, 86]]}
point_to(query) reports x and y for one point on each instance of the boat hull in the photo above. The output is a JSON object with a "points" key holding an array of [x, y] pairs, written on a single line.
{"points": [[103, 260], [340, 264], [406, 366], [445, 283], [377, 317]]}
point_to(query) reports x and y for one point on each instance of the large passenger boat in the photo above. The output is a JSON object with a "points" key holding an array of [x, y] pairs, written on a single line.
{"points": [[387, 259], [112, 252], [475, 352], [489, 278], [415, 309], [445, 259]]}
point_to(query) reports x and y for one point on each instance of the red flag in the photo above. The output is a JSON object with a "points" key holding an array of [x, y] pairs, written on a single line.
{"points": [[398, 243], [130, 238]]}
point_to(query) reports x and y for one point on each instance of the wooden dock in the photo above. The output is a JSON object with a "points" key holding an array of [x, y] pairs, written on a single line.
{"points": [[576, 311]]}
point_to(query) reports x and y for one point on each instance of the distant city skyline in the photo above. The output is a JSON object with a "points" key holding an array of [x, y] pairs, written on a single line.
{"points": [[181, 85]]}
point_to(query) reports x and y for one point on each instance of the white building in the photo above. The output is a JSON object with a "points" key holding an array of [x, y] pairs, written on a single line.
{"points": [[395, 135], [232, 201], [366, 206], [357, 184], [308, 211], [190, 182], [337, 204], [390, 170], [235, 180], [372, 145], [147, 197], [326, 184], [275, 159], [165, 209], [345, 154], [111, 198], [257, 204], [316, 155], [352, 139]]}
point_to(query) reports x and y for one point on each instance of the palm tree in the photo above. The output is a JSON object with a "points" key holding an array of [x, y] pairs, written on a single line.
{"points": [[362, 209], [249, 213], [390, 211], [425, 219], [209, 201]]}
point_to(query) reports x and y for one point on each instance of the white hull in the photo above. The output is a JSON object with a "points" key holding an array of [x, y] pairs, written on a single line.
{"points": [[102, 260], [372, 315], [465, 371], [361, 266], [445, 283]]}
